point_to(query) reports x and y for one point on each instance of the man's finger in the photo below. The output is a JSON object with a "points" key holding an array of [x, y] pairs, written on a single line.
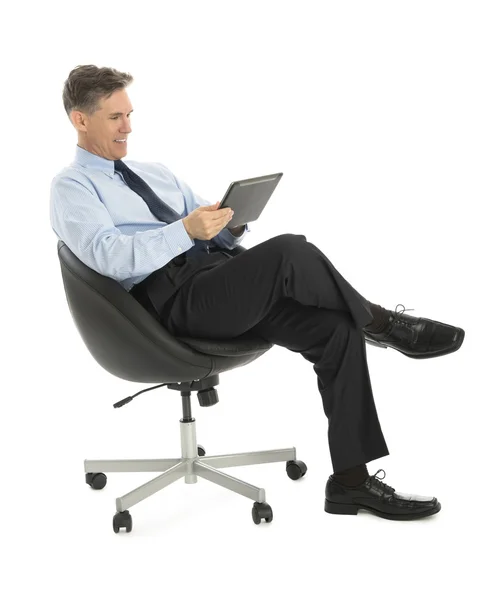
{"points": [[220, 215]]}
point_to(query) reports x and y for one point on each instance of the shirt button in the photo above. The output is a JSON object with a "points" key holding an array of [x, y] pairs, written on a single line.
{"points": [[179, 248]]}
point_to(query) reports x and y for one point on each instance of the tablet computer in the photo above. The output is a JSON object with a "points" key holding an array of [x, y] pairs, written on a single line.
{"points": [[248, 197]]}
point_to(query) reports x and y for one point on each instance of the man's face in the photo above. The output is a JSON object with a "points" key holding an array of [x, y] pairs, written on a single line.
{"points": [[97, 134]]}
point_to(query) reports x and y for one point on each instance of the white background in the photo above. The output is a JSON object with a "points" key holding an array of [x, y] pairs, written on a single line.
{"points": [[381, 116]]}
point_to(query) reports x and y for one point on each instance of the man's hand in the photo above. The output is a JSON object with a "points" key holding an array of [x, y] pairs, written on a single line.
{"points": [[205, 222]]}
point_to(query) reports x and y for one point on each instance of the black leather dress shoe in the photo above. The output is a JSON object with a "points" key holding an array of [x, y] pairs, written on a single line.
{"points": [[416, 337], [377, 497]]}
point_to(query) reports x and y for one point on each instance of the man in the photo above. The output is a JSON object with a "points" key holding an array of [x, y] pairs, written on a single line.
{"points": [[139, 224]]}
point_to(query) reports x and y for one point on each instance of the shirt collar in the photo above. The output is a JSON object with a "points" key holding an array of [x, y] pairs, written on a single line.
{"points": [[93, 161]]}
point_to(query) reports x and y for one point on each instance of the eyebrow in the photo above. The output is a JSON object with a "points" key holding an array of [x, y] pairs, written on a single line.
{"points": [[118, 113]]}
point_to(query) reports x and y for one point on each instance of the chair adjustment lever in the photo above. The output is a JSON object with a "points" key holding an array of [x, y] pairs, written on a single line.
{"points": [[123, 402], [129, 398]]}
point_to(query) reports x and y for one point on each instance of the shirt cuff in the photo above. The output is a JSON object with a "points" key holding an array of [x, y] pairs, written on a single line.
{"points": [[177, 238], [233, 240]]}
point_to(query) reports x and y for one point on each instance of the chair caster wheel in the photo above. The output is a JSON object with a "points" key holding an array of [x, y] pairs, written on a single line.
{"points": [[296, 469], [261, 510], [97, 481], [201, 450], [122, 519]]}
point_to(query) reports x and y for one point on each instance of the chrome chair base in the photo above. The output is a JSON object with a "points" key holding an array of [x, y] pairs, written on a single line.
{"points": [[190, 466]]}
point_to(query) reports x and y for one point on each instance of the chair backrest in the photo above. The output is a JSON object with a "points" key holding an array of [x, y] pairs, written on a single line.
{"points": [[127, 341]]}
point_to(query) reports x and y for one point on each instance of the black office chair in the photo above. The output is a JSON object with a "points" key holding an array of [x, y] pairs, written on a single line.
{"points": [[130, 343]]}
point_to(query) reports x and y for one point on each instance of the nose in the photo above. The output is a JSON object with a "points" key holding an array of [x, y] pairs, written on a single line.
{"points": [[128, 128]]}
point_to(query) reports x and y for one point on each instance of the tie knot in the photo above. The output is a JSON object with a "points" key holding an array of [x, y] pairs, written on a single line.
{"points": [[119, 165]]}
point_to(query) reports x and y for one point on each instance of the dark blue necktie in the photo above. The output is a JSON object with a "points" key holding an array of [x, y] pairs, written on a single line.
{"points": [[160, 209]]}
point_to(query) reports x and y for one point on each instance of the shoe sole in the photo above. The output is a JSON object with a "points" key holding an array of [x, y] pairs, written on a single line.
{"points": [[454, 348], [336, 508]]}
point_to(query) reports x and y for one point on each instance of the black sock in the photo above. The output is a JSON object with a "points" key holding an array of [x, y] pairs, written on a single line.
{"points": [[380, 320], [352, 476]]}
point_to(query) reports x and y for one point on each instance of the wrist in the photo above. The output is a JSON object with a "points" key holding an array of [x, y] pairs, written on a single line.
{"points": [[186, 229]]}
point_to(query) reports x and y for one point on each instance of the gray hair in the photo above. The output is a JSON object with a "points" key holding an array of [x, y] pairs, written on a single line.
{"points": [[86, 85]]}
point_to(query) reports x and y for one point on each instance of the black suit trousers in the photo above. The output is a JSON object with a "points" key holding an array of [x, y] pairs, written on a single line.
{"points": [[284, 290]]}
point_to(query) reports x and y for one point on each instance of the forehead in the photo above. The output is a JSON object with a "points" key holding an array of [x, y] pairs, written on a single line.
{"points": [[117, 104]]}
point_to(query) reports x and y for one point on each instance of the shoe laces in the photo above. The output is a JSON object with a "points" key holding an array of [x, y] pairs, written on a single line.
{"points": [[387, 489], [397, 313]]}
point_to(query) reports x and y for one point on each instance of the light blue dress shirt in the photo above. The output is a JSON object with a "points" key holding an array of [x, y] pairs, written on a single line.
{"points": [[111, 229]]}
